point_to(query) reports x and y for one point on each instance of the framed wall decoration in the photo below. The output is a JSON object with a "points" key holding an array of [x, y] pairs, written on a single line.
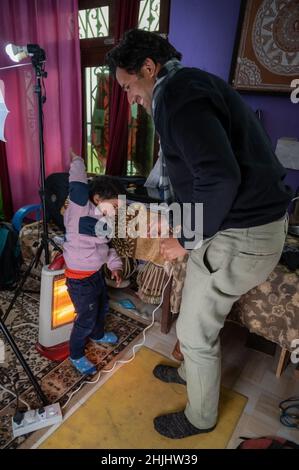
{"points": [[266, 56]]}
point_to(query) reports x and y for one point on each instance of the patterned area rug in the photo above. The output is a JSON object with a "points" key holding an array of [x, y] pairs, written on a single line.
{"points": [[58, 380]]}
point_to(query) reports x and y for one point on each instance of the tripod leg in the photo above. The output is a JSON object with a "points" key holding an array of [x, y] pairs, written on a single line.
{"points": [[33, 262], [23, 363]]}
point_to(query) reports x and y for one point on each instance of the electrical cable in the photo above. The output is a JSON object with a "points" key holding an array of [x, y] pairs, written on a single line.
{"points": [[133, 349], [31, 296], [24, 324]]}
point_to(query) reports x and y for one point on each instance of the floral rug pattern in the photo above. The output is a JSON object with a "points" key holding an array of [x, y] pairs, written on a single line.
{"points": [[58, 380]]}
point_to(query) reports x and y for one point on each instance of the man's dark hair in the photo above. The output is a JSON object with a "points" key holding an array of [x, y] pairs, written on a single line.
{"points": [[136, 46], [106, 187]]}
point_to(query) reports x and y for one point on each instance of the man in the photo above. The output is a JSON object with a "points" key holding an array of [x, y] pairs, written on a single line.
{"points": [[218, 154]]}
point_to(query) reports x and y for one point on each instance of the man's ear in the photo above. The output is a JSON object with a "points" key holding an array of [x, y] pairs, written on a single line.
{"points": [[149, 67]]}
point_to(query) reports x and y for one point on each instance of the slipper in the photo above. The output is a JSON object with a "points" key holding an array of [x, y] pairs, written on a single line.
{"points": [[109, 337], [83, 365]]}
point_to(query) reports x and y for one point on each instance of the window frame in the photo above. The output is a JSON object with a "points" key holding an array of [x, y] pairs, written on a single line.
{"points": [[93, 50]]}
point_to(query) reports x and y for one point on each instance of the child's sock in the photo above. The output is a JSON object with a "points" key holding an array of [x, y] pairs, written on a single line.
{"points": [[109, 337], [83, 365]]}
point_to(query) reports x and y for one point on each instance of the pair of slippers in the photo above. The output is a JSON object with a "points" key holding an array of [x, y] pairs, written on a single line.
{"points": [[84, 365]]}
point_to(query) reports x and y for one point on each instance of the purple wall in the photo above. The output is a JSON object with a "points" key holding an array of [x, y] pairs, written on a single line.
{"points": [[204, 31]]}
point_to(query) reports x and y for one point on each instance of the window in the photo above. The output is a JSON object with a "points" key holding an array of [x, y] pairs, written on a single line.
{"points": [[94, 22], [96, 38], [96, 30], [97, 91]]}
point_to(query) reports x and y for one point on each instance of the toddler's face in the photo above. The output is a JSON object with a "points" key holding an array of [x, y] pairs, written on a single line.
{"points": [[108, 207]]}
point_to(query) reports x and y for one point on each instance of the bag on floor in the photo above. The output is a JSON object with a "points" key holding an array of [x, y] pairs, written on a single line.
{"points": [[268, 442], [10, 256]]}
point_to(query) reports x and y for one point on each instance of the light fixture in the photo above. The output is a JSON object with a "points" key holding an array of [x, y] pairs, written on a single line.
{"points": [[18, 53]]}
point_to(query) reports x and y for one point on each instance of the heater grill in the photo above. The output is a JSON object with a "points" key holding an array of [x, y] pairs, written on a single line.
{"points": [[63, 311]]}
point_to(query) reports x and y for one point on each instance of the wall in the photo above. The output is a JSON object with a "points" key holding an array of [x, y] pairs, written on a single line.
{"points": [[204, 31]]}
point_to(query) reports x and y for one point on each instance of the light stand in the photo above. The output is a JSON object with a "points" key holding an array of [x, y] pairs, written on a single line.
{"points": [[38, 58], [38, 61]]}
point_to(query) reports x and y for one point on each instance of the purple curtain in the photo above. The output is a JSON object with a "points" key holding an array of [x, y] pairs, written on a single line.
{"points": [[5, 185], [119, 108], [53, 25]]}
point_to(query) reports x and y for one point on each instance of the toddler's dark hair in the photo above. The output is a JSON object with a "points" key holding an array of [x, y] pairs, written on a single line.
{"points": [[106, 187]]}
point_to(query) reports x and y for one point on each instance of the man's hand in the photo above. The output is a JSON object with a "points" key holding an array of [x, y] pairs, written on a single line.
{"points": [[157, 226], [117, 276], [170, 249]]}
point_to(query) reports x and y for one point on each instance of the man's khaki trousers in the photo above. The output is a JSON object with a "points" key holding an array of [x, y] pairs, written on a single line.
{"points": [[225, 267]]}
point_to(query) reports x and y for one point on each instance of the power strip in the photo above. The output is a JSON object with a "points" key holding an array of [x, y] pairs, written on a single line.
{"points": [[23, 423]]}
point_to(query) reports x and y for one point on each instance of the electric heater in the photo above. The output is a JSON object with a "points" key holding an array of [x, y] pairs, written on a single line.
{"points": [[56, 315]]}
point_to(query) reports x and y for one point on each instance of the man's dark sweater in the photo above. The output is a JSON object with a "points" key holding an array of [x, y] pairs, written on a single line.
{"points": [[218, 153]]}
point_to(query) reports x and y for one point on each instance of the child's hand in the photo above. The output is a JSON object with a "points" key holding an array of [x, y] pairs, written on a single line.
{"points": [[73, 155], [117, 276]]}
